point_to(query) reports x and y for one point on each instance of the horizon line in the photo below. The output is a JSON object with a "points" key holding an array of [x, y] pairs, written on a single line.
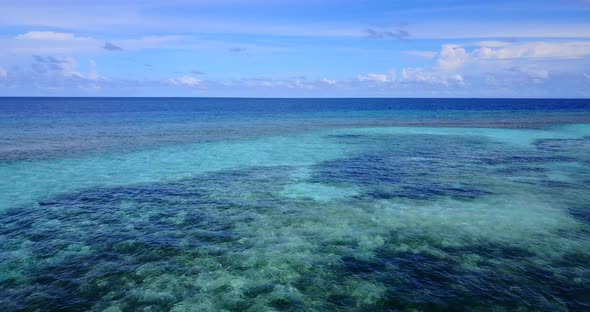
{"points": [[290, 98]]}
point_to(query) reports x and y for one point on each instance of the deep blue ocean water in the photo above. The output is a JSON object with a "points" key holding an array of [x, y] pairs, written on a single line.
{"points": [[183, 204]]}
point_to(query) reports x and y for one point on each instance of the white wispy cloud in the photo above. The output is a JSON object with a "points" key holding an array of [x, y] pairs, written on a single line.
{"points": [[150, 42], [373, 77], [429, 76], [105, 16], [186, 80], [422, 54], [328, 81], [49, 35], [57, 43], [49, 64], [62, 67], [92, 71], [55, 73], [538, 75], [533, 50], [413, 75], [294, 83], [493, 30], [281, 83]]}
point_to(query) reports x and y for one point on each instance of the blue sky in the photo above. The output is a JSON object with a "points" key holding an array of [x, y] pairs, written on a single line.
{"points": [[303, 48]]}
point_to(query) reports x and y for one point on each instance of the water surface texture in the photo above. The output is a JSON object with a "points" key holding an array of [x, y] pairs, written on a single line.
{"points": [[112, 204]]}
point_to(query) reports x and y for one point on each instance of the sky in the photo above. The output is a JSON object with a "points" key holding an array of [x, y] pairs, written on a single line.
{"points": [[295, 48]]}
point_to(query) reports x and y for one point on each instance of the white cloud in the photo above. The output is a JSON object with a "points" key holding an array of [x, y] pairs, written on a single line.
{"points": [[423, 54], [57, 43], [295, 83], [66, 66], [186, 80], [422, 75], [300, 84], [499, 29], [534, 50], [145, 16], [372, 77], [49, 65], [286, 83], [48, 35], [328, 81], [503, 55], [49, 43], [452, 56], [456, 78], [415, 75], [522, 62], [55, 73], [163, 42], [92, 72], [3, 73], [62, 67], [483, 53], [536, 74]]}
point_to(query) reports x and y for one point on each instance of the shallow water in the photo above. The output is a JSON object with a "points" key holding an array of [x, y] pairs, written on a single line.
{"points": [[196, 205]]}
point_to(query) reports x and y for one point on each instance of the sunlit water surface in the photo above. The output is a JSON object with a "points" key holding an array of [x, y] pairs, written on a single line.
{"points": [[290, 205]]}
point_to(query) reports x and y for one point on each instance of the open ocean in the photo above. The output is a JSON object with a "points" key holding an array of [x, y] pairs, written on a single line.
{"points": [[211, 204]]}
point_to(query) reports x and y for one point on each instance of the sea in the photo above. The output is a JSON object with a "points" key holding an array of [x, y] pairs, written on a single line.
{"points": [[246, 204]]}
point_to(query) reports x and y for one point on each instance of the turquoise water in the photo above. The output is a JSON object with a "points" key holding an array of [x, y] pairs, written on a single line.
{"points": [[288, 205]]}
